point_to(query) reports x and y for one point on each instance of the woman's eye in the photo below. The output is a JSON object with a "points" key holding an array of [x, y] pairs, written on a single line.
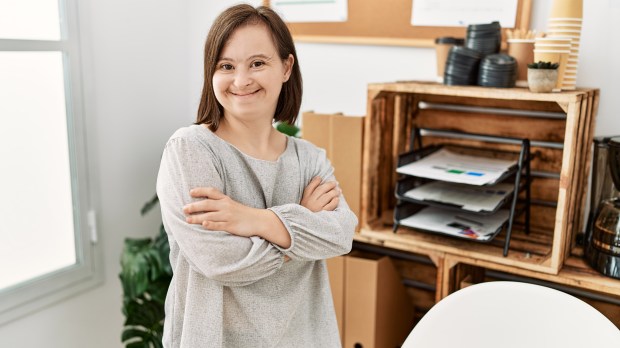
{"points": [[257, 64], [226, 66]]}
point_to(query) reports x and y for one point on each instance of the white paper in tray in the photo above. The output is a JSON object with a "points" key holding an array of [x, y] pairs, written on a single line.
{"points": [[448, 166], [466, 197], [457, 223]]}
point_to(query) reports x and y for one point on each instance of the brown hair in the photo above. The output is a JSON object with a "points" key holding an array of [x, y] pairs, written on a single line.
{"points": [[210, 111]]}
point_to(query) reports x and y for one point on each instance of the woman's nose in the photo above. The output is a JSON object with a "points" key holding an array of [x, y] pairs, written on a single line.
{"points": [[242, 78]]}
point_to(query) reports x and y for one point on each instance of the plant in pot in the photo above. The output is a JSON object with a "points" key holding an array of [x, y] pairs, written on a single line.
{"points": [[145, 276], [542, 77]]}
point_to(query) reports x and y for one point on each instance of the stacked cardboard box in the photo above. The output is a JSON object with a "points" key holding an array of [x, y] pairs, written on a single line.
{"points": [[341, 137], [372, 305]]}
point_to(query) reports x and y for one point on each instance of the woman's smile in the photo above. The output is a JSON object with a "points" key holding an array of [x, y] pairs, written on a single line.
{"points": [[245, 94]]}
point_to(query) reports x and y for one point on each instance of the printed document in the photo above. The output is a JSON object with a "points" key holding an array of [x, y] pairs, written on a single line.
{"points": [[448, 166], [311, 11], [456, 223], [466, 197], [451, 13]]}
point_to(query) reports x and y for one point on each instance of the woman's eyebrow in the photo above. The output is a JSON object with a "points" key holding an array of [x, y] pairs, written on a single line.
{"points": [[254, 56], [260, 55]]}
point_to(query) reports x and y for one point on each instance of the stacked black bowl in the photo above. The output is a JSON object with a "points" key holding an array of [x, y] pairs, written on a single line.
{"points": [[462, 66], [497, 70], [485, 38], [449, 40]]}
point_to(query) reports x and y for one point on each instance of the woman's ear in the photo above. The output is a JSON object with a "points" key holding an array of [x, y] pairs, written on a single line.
{"points": [[288, 67]]}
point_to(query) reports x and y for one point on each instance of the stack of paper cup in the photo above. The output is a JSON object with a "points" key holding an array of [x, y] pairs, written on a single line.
{"points": [[565, 22], [523, 51], [554, 50]]}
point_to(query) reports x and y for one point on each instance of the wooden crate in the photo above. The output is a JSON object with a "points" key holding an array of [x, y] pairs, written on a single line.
{"points": [[564, 120]]}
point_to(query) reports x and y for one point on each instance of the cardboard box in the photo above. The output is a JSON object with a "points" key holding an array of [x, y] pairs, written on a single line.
{"points": [[378, 313], [341, 137], [335, 268]]}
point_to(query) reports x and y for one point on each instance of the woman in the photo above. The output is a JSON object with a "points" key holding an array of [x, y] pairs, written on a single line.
{"points": [[251, 214]]}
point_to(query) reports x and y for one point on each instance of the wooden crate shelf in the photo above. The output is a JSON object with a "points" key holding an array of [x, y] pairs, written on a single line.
{"points": [[561, 134], [431, 244], [453, 272]]}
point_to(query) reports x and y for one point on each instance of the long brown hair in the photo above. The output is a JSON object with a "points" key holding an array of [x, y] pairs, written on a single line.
{"points": [[210, 111]]}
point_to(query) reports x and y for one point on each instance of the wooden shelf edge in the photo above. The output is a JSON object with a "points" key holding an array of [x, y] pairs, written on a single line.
{"points": [[516, 93], [424, 244], [575, 273]]}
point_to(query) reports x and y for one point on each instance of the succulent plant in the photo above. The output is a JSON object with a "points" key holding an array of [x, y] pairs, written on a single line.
{"points": [[543, 65]]}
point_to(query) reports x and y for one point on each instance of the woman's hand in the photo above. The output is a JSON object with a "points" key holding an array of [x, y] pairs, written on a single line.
{"points": [[321, 196], [218, 212]]}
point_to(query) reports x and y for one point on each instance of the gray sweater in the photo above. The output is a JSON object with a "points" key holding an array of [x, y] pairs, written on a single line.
{"points": [[231, 291]]}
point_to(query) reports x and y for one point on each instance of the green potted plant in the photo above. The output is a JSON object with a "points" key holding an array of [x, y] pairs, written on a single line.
{"points": [[542, 77], [145, 276]]}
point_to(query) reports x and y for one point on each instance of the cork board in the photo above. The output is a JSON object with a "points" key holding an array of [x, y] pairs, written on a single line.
{"points": [[385, 22]]}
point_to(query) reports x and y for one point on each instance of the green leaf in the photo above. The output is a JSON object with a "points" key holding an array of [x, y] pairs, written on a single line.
{"points": [[135, 268], [158, 289], [288, 129], [147, 313], [162, 245], [132, 333], [156, 342], [138, 345], [149, 205]]}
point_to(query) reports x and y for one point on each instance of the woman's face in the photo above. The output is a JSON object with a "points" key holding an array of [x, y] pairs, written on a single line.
{"points": [[249, 74]]}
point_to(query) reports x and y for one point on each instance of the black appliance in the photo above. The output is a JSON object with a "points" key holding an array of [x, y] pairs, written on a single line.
{"points": [[602, 240]]}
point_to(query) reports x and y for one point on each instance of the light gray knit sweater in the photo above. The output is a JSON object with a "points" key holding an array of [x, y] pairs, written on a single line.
{"points": [[230, 291]]}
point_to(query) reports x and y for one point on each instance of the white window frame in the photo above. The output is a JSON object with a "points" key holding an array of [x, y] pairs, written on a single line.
{"points": [[30, 296]]}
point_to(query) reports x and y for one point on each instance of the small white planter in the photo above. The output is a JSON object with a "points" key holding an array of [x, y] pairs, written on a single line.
{"points": [[542, 80]]}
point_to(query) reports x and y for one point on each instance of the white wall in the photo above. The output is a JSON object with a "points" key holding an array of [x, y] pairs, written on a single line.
{"points": [[136, 84], [143, 79]]}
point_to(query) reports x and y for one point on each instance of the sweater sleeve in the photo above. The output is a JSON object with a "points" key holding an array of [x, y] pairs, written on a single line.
{"points": [[320, 235], [218, 255]]}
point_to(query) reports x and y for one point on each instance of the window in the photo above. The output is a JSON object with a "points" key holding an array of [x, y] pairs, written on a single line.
{"points": [[47, 230]]}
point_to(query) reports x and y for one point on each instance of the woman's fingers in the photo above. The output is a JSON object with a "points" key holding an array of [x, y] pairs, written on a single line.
{"points": [[324, 188], [198, 218], [210, 203], [308, 199], [312, 185], [204, 205], [333, 204], [206, 192], [201, 218], [318, 195], [214, 225], [328, 196]]}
